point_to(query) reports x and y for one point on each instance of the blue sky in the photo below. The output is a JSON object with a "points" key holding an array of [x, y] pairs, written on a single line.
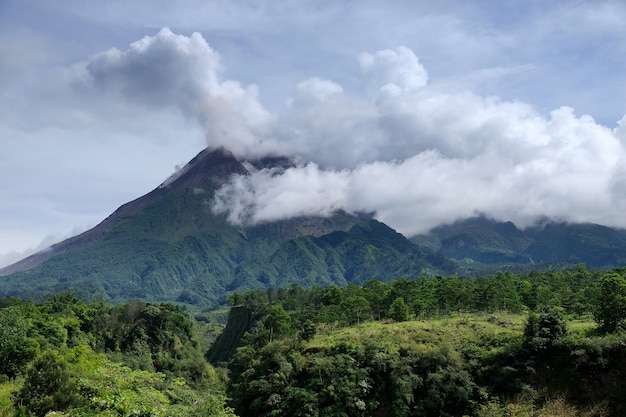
{"points": [[424, 113]]}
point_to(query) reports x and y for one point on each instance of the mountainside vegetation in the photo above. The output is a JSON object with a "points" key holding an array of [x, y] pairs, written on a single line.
{"points": [[482, 245], [204, 258]]}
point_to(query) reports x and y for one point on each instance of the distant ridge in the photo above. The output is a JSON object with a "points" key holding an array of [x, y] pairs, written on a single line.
{"points": [[482, 244]]}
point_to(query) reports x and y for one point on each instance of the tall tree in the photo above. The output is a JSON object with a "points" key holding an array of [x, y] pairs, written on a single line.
{"points": [[611, 308], [399, 311], [16, 348], [277, 321]]}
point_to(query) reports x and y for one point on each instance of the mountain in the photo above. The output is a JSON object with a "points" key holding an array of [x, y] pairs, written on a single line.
{"points": [[168, 245], [481, 245], [210, 169]]}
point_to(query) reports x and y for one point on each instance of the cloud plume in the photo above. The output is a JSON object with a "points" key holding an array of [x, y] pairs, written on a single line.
{"points": [[183, 72]]}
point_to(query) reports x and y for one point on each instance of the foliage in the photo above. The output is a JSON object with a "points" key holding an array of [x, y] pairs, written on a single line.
{"points": [[48, 386], [431, 346], [469, 353], [475, 365], [576, 291], [544, 329], [17, 349], [199, 257], [277, 322], [133, 359], [398, 310], [611, 308]]}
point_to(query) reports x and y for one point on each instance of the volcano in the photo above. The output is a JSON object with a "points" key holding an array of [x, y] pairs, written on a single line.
{"points": [[168, 245]]}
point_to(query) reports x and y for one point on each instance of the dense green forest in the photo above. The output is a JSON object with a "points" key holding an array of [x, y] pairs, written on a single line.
{"points": [[92, 359], [528, 344], [542, 343]]}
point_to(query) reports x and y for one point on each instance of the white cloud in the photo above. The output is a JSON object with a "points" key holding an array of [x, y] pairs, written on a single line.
{"points": [[317, 89], [496, 70], [430, 156], [183, 72], [392, 71], [267, 195], [14, 256]]}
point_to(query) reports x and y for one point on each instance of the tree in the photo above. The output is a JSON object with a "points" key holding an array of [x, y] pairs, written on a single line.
{"points": [[235, 299], [277, 321], [376, 293], [307, 330], [356, 308], [399, 311], [16, 348], [48, 386], [543, 329], [332, 296], [611, 308]]}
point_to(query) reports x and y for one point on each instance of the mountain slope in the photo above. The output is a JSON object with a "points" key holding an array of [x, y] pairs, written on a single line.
{"points": [[209, 169], [593, 244], [480, 245], [168, 245]]}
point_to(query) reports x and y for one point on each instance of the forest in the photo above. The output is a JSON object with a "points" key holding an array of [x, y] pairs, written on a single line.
{"points": [[545, 343]]}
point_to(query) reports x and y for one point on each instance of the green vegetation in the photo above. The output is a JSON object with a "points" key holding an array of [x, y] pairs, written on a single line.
{"points": [[200, 257], [482, 245], [502, 345], [528, 344], [73, 358]]}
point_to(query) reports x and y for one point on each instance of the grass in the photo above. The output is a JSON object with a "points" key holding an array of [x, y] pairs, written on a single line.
{"points": [[581, 325], [551, 407], [490, 330], [6, 388]]}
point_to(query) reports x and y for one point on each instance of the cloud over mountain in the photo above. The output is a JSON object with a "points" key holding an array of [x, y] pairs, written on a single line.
{"points": [[415, 151]]}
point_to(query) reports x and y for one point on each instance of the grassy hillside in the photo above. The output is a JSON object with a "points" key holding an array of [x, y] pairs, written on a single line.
{"points": [[539, 344], [510, 345], [470, 365]]}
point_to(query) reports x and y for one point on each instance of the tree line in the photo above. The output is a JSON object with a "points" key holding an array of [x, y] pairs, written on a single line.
{"points": [[81, 358], [598, 294]]}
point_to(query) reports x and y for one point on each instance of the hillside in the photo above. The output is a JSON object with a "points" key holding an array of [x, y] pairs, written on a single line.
{"points": [[483, 245], [398, 349]]}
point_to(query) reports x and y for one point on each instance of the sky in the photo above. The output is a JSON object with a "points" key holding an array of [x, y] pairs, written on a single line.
{"points": [[421, 112]]}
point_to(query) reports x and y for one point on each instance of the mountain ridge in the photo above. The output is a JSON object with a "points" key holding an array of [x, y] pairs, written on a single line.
{"points": [[490, 242]]}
